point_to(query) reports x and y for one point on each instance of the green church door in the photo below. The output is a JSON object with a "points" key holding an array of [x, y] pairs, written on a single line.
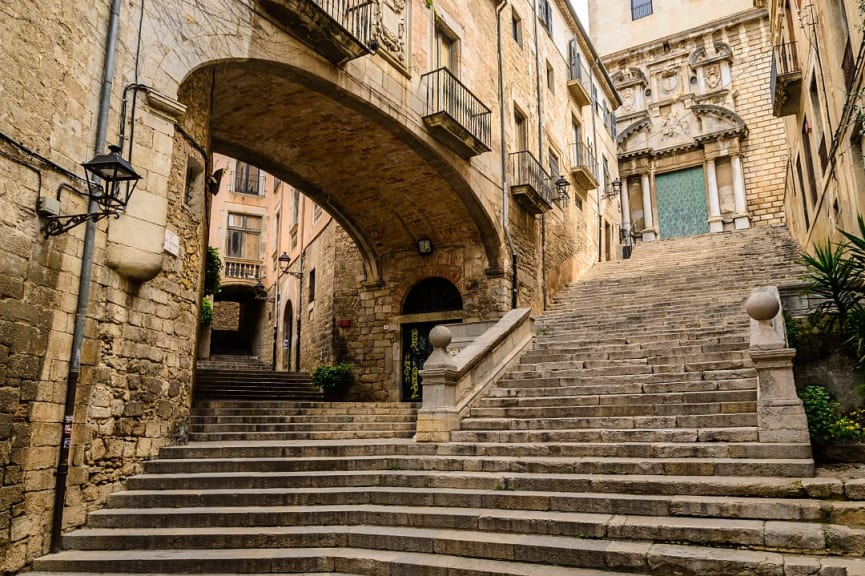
{"points": [[682, 203]]}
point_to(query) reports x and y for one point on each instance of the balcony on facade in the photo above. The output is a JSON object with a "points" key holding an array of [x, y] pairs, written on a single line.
{"points": [[531, 186], [454, 115], [584, 167], [786, 80], [339, 30], [242, 269], [579, 82]]}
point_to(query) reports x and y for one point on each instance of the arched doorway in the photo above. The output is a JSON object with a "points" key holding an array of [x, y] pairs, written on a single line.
{"points": [[287, 331], [429, 296]]}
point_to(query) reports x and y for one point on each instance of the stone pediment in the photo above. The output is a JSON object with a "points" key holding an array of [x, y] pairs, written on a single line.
{"points": [[718, 122], [682, 129]]}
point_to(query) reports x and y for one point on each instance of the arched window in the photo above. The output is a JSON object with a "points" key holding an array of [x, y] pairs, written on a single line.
{"points": [[432, 295]]}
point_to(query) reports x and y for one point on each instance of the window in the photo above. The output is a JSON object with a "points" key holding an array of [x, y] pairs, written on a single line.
{"points": [[550, 78], [516, 27], [521, 133], [295, 211], [848, 64], [244, 236], [555, 171], [809, 162], [445, 48], [804, 197], [312, 285], [817, 127], [546, 15], [246, 179], [606, 166], [277, 234], [316, 212], [640, 9]]}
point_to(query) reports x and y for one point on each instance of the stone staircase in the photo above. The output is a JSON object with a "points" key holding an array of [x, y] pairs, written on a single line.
{"points": [[625, 443], [248, 378]]}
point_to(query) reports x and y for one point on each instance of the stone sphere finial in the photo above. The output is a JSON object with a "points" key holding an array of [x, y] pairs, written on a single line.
{"points": [[762, 306], [440, 337]]}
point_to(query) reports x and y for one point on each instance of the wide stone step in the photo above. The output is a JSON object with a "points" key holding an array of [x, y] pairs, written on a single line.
{"points": [[668, 398], [503, 497], [302, 526], [565, 423], [576, 552], [542, 465], [564, 410], [434, 480], [667, 435], [558, 449], [300, 436], [553, 388], [301, 561]]}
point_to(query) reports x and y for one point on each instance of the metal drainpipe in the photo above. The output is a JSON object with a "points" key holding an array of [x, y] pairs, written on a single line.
{"points": [[83, 286], [597, 157], [505, 196], [299, 311], [541, 155]]}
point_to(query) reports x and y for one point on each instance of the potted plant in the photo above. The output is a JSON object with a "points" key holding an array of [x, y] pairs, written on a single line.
{"points": [[334, 381]]}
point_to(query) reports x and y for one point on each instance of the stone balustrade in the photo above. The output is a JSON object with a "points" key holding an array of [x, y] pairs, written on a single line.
{"points": [[451, 384], [780, 414]]}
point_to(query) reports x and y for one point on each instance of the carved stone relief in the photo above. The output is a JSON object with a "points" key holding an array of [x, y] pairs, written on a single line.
{"points": [[390, 28]]}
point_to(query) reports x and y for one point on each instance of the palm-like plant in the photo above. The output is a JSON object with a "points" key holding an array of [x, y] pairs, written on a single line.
{"points": [[836, 277]]}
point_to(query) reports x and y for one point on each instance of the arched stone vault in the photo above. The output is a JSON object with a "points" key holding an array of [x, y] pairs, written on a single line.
{"points": [[384, 185]]}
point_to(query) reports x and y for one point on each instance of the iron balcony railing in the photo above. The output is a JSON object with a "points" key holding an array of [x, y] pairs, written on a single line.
{"points": [[582, 157], [576, 71], [355, 16], [527, 171], [784, 58], [445, 93], [242, 269]]}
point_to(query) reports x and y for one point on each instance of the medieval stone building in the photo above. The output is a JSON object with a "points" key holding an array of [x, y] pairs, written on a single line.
{"points": [[816, 90], [440, 138]]}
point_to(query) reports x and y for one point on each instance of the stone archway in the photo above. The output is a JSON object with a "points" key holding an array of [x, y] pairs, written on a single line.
{"points": [[385, 186]]}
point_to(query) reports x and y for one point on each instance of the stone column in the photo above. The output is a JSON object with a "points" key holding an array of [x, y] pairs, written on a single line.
{"points": [[626, 205], [780, 414], [438, 416], [716, 223], [741, 216], [648, 219]]}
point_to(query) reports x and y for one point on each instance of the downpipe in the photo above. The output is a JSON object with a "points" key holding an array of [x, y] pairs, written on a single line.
{"points": [[505, 196]]}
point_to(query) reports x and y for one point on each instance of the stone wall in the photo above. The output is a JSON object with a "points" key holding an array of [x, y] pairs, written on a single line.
{"points": [[226, 315]]}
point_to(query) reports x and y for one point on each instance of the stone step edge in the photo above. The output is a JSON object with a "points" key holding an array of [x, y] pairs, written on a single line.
{"points": [[503, 499], [493, 528], [334, 559], [766, 486], [673, 505], [451, 552]]}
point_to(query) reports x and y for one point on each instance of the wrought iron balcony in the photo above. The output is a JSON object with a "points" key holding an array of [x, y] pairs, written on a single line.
{"points": [[579, 82], [584, 167], [454, 115], [242, 269], [786, 80], [531, 186], [339, 30]]}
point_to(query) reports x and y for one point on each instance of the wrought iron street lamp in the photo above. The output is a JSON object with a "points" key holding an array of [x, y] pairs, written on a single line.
{"points": [[110, 180]]}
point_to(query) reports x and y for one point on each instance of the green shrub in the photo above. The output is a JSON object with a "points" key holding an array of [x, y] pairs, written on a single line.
{"points": [[333, 380], [205, 314], [825, 419], [212, 271]]}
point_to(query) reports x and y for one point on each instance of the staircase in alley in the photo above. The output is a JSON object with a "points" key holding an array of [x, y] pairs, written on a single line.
{"points": [[625, 442]]}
